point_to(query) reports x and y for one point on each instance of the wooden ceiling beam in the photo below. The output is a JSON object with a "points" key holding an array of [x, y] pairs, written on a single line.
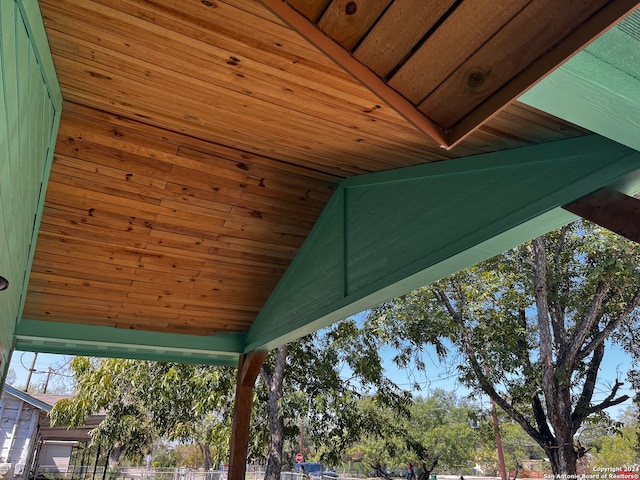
{"points": [[612, 210], [360, 72]]}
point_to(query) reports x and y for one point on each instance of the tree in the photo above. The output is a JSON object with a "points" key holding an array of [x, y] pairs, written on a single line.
{"points": [[382, 443], [317, 381], [11, 377], [531, 325], [440, 433], [619, 448], [143, 401]]}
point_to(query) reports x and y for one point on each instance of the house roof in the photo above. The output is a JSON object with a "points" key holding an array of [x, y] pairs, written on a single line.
{"points": [[38, 401]]}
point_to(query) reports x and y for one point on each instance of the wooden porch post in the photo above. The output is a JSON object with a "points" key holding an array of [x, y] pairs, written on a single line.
{"points": [[249, 367]]}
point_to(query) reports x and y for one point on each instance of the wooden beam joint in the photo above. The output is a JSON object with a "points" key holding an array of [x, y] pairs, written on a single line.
{"points": [[612, 210]]}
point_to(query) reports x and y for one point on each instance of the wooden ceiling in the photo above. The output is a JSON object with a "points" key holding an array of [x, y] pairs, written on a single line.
{"points": [[201, 139]]}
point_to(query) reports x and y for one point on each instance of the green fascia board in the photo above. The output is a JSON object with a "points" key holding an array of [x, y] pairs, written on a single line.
{"points": [[384, 234], [599, 88], [100, 341]]}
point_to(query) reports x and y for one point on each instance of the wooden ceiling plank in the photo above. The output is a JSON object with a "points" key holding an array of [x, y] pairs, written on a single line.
{"points": [[346, 22], [188, 297], [108, 255], [146, 172], [92, 270], [225, 247], [397, 33], [612, 210], [232, 26], [113, 191], [196, 201], [108, 121], [56, 225], [264, 203], [319, 158], [318, 153], [72, 166], [52, 281], [355, 68], [82, 208], [184, 24], [252, 8], [55, 300], [302, 96], [428, 67], [485, 72], [247, 75]]}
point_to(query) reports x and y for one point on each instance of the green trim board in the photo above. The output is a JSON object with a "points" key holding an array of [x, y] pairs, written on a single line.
{"points": [[30, 108], [99, 341], [384, 234], [599, 88]]}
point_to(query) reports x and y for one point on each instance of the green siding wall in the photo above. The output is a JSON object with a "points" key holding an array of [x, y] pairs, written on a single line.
{"points": [[30, 105]]}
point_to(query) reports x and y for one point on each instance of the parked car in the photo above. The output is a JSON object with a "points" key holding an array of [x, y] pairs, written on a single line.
{"points": [[314, 470]]}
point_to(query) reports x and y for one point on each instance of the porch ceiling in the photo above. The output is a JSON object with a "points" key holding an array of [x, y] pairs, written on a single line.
{"points": [[201, 140]]}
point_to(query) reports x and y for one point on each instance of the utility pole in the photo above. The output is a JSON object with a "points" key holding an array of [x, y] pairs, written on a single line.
{"points": [[46, 382], [31, 370], [496, 428]]}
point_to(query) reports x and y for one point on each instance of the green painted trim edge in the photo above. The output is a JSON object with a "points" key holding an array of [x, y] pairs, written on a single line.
{"points": [[35, 28], [100, 341]]}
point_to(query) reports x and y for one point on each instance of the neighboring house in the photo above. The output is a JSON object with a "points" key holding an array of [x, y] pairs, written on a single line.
{"points": [[30, 445]]}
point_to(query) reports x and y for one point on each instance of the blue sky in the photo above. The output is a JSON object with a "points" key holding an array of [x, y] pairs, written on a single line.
{"points": [[615, 365]]}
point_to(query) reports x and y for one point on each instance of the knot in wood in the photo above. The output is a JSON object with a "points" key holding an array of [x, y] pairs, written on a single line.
{"points": [[351, 8]]}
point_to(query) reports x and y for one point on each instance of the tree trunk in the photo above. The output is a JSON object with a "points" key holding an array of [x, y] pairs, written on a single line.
{"points": [[556, 374], [274, 380], [114, 456], [206, 457]]}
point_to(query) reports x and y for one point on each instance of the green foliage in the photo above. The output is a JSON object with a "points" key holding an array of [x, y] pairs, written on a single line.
{"points": [[440, 429], [617, 450], [143, 401], [327, 374]]}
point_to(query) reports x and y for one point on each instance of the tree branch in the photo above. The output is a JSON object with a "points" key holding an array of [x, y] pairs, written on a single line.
{"points": [[610, 401], [488, 388], [581, 409], [610, 327], [588, 322]]}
